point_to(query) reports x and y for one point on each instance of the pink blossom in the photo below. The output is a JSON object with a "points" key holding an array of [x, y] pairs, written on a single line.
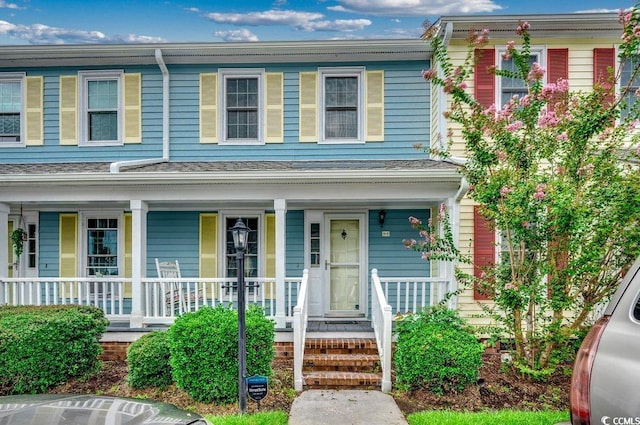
{"points": [[540, 194], [414, 221], [526, 224], [587, 169], [536, 72], [443, 209], [462, 85], [408, 243], [624, 16], [523, 26], [426, 255], [509, 286], [428, 74], [501, 155], [563, 137], [505, 190], [514, 126], [548, 119]]}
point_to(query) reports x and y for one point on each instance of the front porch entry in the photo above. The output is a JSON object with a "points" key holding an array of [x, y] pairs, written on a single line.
{"points": [[336, 257]]}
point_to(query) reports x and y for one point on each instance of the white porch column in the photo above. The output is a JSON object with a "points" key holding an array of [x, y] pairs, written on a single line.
{"points": [[454, 208], [139, 211], [4, 240], [280, 207]]}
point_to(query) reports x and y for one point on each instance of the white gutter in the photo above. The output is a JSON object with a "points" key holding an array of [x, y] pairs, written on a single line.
{"points": [[115, 166]]}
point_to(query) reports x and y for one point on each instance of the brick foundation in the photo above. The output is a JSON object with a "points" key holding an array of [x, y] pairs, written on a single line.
{"points": [[117, 351]]}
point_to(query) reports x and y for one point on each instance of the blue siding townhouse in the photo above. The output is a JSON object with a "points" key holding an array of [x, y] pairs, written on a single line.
{"points": [[113, 156]]}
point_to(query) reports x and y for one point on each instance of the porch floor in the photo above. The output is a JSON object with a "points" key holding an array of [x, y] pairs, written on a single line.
{"points": [[339, 326]]}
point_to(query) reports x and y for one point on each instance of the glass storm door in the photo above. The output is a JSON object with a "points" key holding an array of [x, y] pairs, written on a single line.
{"points": [[344, 266]]}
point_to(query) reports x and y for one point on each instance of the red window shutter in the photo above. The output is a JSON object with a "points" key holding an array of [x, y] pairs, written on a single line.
{"points": [[558, 65], [603, 60], [484, 247], [557, 68], [484, 81]]}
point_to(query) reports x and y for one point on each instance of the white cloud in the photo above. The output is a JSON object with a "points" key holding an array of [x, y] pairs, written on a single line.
{"points": [[5, 5], [397, 8], [44, 34], [306, 21], [598, 11], [236, 35]]}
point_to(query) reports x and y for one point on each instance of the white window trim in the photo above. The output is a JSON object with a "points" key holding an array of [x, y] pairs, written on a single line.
{"points": [[83, 122], [19, 77], [83, 217], [341, 72], [223, 74], [540, 51]]}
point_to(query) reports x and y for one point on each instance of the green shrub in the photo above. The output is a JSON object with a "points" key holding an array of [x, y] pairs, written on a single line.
{"points": [[148, 361], [44, 346], [204, 351], [436, 350]]}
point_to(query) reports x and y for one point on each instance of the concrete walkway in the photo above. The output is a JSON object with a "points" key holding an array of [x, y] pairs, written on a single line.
{"points": [[346, 407]]}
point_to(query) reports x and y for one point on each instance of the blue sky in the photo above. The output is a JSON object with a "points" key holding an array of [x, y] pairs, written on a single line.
{"points": [[135, 21]]}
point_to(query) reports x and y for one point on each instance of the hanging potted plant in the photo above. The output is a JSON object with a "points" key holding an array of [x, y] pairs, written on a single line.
{"points": [[18, 237]]}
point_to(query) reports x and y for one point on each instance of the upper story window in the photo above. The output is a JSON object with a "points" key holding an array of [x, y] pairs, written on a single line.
{"points": [[509, 87], [629, 87], [11, 109], [101, 107], [342, 112], [243, 110]]}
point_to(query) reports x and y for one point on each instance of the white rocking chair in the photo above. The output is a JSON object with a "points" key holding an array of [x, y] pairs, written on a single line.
{"points": [[174, 299]]}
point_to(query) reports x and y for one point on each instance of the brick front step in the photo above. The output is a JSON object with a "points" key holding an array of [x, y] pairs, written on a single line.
{"points": [[341, 362], [341, 346], [342, 380]]}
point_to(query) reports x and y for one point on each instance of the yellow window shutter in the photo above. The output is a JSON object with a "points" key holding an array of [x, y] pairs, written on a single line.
{"points": [[208, 245], [308, 106], [374, 106], [209, 108], [68, 245], [10, 246], [275, 107], [132, 108], [68, 110], [34, 111], [128, 249]]}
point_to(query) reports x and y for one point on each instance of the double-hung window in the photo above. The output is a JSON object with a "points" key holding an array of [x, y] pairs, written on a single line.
{"points": [[243, 110], [509, 87], [251, 254], [101, 107], [341, 100], [102, 247], [11, 109], [629, 87]]}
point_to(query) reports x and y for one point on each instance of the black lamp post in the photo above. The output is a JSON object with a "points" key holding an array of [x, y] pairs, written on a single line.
{"points": [[240, 234]]}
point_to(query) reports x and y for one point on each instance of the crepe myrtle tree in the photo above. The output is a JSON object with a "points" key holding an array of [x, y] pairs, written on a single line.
{"points": [[556, 172]]}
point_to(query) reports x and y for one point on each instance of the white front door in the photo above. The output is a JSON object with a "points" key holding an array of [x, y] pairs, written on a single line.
{"points": [[344, 264]]}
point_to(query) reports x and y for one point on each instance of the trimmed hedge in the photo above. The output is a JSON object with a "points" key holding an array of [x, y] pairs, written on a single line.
{"points": [[148, 361], [43, 346], [204, 351], [437, 350]]}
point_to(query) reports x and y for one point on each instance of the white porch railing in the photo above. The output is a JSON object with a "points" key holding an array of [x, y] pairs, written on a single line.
{"points": [[105, 293], [300, 319], [381, 321], [163, 299], [412, 294]]}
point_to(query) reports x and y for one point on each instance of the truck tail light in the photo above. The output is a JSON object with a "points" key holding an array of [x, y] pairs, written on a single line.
{"points": [[581, 378]]}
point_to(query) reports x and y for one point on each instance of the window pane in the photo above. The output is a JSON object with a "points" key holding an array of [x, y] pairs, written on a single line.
{"points": [[102, 247], [341, 124], [341, 91], [242, 108], [103, 94], [625, 77], [251, 254], [513, 86], [10, 99], [103, 125]]}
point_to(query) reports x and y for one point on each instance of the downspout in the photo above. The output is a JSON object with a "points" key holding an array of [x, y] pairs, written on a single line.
{"points": [[454, 217], [115, 166]]}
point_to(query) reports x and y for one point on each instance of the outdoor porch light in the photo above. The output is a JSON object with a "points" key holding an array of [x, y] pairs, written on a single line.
{"points": [[240, 233], [382, 214]]}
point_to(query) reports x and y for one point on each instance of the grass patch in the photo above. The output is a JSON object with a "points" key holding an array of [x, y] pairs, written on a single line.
{"points": [[500, 417], [266, 418]]}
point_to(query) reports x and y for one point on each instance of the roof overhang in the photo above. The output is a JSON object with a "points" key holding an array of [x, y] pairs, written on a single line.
{"points": [[214, 53], [573, 25]]}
